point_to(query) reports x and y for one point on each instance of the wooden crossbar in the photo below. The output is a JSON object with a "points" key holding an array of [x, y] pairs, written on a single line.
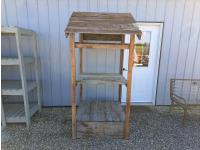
{"points": [[102, 37], [101, 45]]}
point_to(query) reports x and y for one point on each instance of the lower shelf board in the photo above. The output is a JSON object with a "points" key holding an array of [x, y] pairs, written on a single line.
{"points": [[100, 118], [15, 113]]}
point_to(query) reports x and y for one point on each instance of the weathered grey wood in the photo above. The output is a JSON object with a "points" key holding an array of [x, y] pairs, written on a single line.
{"points": [[37, 71], [101, 45], [100, 78], [15, 113], [95, 111], [23, 79], [14, 87], [113, 129], [85, 113], [103, 23], [81, 65], [121, 68], [15, 30], [100, 118], [12, 61], [3, 119], [102, 37]]}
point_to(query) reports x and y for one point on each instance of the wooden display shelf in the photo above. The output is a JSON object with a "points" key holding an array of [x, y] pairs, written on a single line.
{"points": [[15, 112], [101, 30], [101, 78], [13, 61], [100, 118], [21, 86], [14, 87]]}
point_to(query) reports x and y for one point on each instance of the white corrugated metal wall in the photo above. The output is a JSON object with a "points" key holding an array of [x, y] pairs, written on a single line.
{"points": [[180, 54]]}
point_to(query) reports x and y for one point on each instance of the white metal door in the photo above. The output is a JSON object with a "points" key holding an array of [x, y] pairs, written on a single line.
{"points": [[145, 72]]}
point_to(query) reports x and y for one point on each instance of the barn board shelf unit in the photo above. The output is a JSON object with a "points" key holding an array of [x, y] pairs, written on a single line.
{"points": [[16, 112], [101, 30]]}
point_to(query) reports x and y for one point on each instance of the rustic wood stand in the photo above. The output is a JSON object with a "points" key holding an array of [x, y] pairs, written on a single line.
{"points": [[101, 30]]}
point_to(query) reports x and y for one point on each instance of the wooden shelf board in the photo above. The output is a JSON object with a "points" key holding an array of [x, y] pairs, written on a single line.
{"points": [[100, 78], [14, 87], [100, 111], [10, 61], [100, 118], [15, 112], [14, 30]]}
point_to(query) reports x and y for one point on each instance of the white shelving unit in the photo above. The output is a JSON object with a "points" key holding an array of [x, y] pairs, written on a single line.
{"points": [[14, 112]]}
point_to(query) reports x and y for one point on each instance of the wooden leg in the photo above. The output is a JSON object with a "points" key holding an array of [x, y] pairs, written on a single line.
{"points": [[73, 82], [129, 84], [121, 69], [81, 66], [23, 80], [37, 72], [184, 116], [3, 118]]}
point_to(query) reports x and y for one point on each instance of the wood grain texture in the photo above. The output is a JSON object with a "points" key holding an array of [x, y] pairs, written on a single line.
{"points": [[129, 85], [100, 118], [113, 129], [73, 82], [100, 111], [101, 45], [81, 65], [100, 78], [104, 23], [121, 68], [102, 37]]}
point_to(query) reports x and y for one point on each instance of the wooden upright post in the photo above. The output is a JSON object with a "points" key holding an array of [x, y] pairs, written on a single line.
{"points": [[129, 84], [81, 66], [23, 79], [121, 68], [73, 82]]}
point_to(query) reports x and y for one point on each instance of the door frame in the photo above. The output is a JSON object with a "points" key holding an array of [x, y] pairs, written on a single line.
{"points": [[159, 49]]}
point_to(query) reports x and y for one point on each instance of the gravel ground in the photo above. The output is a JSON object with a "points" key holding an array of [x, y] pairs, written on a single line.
{"points": [[151, 128]]}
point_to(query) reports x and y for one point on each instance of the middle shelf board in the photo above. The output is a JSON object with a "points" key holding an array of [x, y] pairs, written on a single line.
{"points": [[13, 61], [101, 78], [14, 87]]}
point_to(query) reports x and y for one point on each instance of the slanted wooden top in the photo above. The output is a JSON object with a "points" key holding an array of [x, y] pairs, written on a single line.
{"points": [[102, 23], [14, 30]]}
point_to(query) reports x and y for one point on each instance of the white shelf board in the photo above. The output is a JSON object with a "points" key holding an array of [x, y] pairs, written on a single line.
{"points": [[11, 61], [101, 78], [14, 87], [15, 112], [14, 30]]}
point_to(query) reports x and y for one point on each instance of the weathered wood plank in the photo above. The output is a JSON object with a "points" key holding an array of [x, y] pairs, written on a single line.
{"points": [[114, 129], [108, 23], [129, 85], [98, 111], [81, 66], [102, 45], [121, 69], [94, 78], [73, 80], [102, 37]]}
